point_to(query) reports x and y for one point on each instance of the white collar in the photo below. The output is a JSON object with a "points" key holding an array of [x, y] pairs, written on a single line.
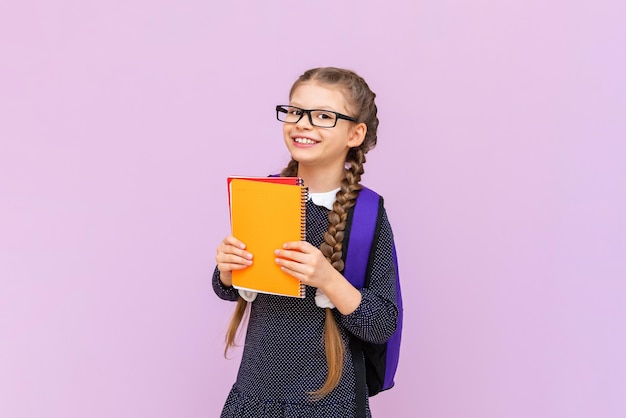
{"points": [[325, 199]]}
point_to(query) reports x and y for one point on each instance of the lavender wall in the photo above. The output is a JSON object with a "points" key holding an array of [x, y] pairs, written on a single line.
{"points": [[502, 157]]}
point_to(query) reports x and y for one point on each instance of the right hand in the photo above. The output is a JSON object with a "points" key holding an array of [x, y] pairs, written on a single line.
{"points": [[231, 255]]}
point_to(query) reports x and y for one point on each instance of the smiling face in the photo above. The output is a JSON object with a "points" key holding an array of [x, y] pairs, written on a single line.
{"points": [[315, 147]]}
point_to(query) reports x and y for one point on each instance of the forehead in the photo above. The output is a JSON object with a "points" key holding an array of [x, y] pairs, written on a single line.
{"points": [[314, 95]]}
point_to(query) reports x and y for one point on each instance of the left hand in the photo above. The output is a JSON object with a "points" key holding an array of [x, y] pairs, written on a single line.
{"points": [[306, 263]]}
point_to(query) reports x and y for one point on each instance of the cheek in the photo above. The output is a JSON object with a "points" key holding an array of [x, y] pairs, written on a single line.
{"points": [[343, 136], [286, 135]]}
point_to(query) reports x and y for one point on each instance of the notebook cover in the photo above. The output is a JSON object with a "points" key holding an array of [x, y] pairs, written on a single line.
{"points": [[264, 215]]}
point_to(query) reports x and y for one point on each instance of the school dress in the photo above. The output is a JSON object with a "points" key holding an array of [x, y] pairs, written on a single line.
{"points": [[283, 357]]}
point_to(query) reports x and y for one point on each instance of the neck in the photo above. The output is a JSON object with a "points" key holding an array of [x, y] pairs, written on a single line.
{"points": [[320, 180]]}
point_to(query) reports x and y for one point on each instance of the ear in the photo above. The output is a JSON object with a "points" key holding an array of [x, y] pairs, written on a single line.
{"points": [[357, 135]]}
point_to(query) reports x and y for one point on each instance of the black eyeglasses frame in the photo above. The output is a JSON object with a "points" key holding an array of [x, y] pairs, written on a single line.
{"points": [[283, 109]]}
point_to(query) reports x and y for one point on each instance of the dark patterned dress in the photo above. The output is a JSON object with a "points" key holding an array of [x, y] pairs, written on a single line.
{"points": [[283, 357]]}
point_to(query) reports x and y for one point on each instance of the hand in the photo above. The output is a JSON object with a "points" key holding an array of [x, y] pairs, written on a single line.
{"points": [[231, 255], [306, 263]]}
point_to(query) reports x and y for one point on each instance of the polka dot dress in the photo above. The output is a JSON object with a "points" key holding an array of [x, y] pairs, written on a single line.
{"points": [[283, 359]]}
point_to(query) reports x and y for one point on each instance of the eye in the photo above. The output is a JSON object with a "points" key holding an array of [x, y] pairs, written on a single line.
{"points": [[320, 114], [294, 111]]}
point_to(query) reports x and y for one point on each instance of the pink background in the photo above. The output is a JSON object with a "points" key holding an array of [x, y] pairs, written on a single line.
{"points": [[502, 157]]}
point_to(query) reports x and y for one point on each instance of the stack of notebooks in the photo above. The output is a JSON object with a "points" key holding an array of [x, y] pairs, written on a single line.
{"points": [[266, 212]]}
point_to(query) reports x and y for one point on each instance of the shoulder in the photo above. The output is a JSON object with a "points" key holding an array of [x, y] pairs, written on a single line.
{"points": [[365, 189], [367, 212], [369, 198]]}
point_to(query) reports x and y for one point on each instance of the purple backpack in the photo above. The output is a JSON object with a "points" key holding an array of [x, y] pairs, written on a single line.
{"points": [[381, 360]]}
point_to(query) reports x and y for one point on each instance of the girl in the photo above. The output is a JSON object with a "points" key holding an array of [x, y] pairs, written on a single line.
{"points": [[296, 361]]}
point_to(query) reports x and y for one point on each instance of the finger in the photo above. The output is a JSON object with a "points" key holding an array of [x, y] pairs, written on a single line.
{"points": [[298, 256], [227, 267], [239, 257], [301, 246], [288, 268], [230, 240], [225, 249], [302, 278], [294, 268]]}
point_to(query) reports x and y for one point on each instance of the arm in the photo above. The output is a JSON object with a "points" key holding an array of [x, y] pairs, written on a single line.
{"points": [[221, 290], [375, 318], [370, 314]]}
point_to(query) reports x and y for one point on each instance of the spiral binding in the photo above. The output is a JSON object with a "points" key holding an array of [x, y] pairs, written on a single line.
{"points": [[305, 197]]}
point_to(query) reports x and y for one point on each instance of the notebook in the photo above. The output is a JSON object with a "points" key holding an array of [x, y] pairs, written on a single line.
{"points": [[266, 212]]}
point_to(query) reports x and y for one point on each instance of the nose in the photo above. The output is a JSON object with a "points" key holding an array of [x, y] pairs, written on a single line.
{"points": [[305, 121]]}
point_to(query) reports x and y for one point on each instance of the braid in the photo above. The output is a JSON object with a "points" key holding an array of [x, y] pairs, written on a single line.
{"points": [[361, 101], [236, 320], [332, 248], [291, 170], [345, 199]]}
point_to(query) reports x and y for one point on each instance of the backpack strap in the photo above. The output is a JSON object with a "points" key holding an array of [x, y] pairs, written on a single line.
{"points": [[366, 215]]}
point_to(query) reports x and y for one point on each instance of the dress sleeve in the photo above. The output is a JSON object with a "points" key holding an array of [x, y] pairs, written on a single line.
{"points": [[376, 317], [223, 292]]}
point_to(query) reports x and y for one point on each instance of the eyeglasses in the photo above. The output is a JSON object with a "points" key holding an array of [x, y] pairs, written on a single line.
{"points": [[317, 117]]}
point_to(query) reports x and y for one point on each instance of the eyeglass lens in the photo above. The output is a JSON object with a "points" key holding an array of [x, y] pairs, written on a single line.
{"points": [[321, 118]]}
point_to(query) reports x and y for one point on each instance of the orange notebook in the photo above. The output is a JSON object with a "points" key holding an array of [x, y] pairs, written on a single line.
{"points": [[266, 212]]}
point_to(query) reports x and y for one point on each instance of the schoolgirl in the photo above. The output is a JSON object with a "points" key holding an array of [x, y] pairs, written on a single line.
{"points": [[296, 361]]}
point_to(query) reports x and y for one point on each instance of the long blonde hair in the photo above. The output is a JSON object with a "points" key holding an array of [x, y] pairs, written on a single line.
{"points": [[360, 100]]}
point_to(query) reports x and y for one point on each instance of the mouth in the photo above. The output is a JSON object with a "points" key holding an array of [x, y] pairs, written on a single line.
{"points": [[304, 141]]}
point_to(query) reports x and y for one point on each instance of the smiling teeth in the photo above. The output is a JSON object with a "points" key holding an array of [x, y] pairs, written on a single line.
{"points": [[304, 141]]}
